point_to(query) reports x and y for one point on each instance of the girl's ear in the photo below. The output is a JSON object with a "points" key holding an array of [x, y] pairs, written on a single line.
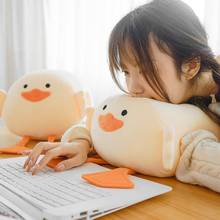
{"points": [[191, 68]]}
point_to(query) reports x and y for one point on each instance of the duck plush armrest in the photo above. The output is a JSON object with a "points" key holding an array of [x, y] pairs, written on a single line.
{"points": [[144, 134]]}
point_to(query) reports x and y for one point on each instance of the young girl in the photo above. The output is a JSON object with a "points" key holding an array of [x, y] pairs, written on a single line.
{"points": [[162, 51]]}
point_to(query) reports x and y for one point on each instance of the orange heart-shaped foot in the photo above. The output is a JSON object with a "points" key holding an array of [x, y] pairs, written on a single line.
{"points": [[13, 150], [117, 178]]}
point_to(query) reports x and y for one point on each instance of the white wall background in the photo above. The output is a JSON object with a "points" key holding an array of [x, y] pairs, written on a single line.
{"points": [[73, 35]]}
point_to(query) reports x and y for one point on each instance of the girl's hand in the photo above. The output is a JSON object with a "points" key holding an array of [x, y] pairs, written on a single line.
{"points": [[76, 152]]}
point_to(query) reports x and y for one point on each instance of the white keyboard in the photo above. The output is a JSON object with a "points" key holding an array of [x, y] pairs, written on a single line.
{"points": [[47, 188], [9, 213]]}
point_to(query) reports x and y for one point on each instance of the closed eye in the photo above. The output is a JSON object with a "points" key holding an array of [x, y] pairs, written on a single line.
{"points": [[126, 73]]}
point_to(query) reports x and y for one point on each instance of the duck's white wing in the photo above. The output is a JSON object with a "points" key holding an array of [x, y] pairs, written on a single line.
{"points": [[2, 99]]}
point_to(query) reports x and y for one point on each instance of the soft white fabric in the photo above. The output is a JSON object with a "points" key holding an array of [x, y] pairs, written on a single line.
{"points": [[200, 157], [200, 160], [22, 42], [77, 132]]}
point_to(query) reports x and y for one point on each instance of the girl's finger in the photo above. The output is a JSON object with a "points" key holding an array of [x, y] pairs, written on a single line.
{"points": [[26, 152], [70, 163], [47, 158], [27, 161], [33, 153], [36, 152], [58, 151]]}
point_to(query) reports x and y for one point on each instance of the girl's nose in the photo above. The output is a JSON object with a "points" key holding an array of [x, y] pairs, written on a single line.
{"points": [[138, 88], [135, 87]]}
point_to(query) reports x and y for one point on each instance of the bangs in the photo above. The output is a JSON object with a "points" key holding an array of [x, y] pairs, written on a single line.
{"points": [[130, 43]]}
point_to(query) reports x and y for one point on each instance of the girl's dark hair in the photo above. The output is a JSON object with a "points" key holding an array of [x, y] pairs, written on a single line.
{"points": [[176, 30]]}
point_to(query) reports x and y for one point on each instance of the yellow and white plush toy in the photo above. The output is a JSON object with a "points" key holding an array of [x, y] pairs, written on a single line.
{"points": [[141, 135], [42, 105], [144, 134]]}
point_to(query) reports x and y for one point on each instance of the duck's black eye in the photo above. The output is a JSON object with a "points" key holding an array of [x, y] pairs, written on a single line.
{"points": [[104, 107], [47, 85], [124, 112], [25, 86]]}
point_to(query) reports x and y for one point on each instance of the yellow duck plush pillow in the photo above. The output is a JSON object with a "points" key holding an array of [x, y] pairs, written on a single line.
{"points": [[42, 105], [144, 134]]}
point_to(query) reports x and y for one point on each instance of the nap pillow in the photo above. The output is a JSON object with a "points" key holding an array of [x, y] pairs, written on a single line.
{"points": [[144, 134]]}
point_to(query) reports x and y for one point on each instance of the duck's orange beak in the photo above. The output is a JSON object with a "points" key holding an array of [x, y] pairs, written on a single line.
{"points": [[35, 95], [109, 123]]}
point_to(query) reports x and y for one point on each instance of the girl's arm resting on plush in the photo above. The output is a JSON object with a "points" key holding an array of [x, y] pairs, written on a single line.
{"points": [[200, 160]]}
